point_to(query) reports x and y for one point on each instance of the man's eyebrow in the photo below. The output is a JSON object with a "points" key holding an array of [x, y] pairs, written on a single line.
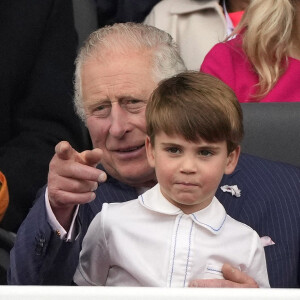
{"points": [[95, 101], [125, 98]]}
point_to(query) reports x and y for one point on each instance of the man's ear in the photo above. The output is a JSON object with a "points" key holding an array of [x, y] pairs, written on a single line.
{"points": [[150, 152], [232, 160]]}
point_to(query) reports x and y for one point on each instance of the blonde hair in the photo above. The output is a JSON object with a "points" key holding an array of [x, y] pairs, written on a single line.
{"points": [[267, 29], [195, 105], [122, 38]]}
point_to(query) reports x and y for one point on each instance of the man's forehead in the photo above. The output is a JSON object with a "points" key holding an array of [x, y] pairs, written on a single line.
{"points": [[120, 85], [134, 64], [117, 88], [121, 76], [105, 55]]}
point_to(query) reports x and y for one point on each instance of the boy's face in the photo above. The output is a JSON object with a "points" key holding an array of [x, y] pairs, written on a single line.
{"points": [[189, 173]]}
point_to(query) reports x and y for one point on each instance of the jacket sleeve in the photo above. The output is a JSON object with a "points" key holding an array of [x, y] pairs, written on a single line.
{"points": [[40, 256]]}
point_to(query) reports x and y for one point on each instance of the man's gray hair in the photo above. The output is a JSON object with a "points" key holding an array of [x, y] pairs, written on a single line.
{"points": [[126, 38]]}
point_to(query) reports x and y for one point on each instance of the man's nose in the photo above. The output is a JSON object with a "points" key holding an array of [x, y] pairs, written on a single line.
{"points": [[119, 122]]}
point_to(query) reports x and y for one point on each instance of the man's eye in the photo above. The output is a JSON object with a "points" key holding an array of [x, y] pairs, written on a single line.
{"points": [[102, 111], [134, 105], [133, 101], [100, 107]]}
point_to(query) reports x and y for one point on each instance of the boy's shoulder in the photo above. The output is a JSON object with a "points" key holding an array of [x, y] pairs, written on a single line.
{"points": [[239, 230], [121, 207]]}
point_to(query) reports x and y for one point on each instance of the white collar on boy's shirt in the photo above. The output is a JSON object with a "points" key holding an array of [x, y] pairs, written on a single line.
{"points": [[211, 217]]}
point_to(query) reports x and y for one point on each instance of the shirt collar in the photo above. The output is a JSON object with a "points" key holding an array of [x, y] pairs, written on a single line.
{"points": [[154, 200], [212, 217]]}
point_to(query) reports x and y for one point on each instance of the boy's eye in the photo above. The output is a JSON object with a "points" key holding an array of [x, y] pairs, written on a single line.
{"points": [[205, 153], [173, 150]]}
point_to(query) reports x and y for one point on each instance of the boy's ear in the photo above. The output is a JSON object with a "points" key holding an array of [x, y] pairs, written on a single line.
{"points": [[232, 160], [150, 152]]}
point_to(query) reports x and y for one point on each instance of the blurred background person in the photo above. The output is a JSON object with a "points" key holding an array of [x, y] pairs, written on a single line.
{"points": [[262, 63], [197, 25]]}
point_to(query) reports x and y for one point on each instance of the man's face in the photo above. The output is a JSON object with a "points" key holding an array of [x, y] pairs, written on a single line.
{"points": [[115, 93]]}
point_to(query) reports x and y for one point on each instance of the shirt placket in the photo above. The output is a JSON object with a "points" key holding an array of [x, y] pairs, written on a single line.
{"points": [[180, 255]]}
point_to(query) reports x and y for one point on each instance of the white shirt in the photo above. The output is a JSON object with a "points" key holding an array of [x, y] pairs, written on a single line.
{"points": [[151, 242]]}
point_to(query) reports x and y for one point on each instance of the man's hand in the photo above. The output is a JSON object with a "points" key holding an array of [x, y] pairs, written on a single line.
{"points": [[234, 278], [72, 180]]}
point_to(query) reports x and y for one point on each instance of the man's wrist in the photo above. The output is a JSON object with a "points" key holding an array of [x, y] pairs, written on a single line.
{"points": [[58, 228], [64, 215]]}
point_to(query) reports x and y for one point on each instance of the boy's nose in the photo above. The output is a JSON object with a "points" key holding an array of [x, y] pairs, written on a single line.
{"points": [[188, 165]]}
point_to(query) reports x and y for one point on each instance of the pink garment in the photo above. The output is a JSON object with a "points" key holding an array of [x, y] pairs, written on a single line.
{"points": [[228, 62], [236, 17]]}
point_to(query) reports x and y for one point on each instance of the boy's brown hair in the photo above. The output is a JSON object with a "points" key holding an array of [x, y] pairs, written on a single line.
{"points": [[195, 105]]}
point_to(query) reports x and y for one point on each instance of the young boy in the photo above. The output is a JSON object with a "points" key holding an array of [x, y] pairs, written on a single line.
{"points": [[177, 231]]}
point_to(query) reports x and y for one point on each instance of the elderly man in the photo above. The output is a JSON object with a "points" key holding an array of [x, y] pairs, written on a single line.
{"points": [[116, 72]]}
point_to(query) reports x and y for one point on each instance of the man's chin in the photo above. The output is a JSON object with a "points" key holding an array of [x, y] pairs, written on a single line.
{"points": [[134, 175], [140, 180]]}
